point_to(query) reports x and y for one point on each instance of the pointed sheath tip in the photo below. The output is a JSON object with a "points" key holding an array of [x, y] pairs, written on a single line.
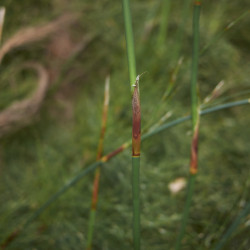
{"points": [[137, 79], [136, 130]]}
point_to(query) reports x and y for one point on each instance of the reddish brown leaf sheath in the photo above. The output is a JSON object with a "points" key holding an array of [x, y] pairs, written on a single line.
{"points": [[113, 153], [194, 152], [136, 131]]}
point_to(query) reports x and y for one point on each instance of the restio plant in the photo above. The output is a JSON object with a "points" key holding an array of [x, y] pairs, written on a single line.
{"points": [[197, 110]]}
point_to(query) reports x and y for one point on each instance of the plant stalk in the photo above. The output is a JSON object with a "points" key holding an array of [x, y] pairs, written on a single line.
{"points": [[129, 42], [136, 146], [98, 169], [195, 111], [136, 126]]}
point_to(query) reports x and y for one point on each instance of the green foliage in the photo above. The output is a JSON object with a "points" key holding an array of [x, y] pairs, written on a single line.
{"points": [[36, 161]]}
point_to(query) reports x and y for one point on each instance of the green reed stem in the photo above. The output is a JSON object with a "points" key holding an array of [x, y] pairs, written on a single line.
{"points": [[136, 128], [136, 201], [164, 22], [194, 69], [195, 111], [129, 42], [109, 156], [91, 226], [136, 151]]}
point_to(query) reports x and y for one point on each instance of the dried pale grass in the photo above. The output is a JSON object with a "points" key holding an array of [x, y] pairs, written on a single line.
{"points": [[2, 13], [33, 34], [21, 113]]}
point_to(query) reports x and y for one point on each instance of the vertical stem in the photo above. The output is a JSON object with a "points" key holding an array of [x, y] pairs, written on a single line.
{"points": [[129, 42], [136, 201], [194, 70], [98, 170], [164, 22], [136, 151], [195, 110], [136, 131]]}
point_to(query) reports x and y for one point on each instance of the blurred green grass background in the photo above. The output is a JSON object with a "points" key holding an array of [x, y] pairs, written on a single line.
{"points": [[38, 159]]}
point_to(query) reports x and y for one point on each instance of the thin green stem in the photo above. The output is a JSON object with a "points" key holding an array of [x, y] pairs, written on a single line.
{"points": [[129, 42], [195, 111], [194, 69], [91, 228], [136, 151], [136, 201], [136, 129]]}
